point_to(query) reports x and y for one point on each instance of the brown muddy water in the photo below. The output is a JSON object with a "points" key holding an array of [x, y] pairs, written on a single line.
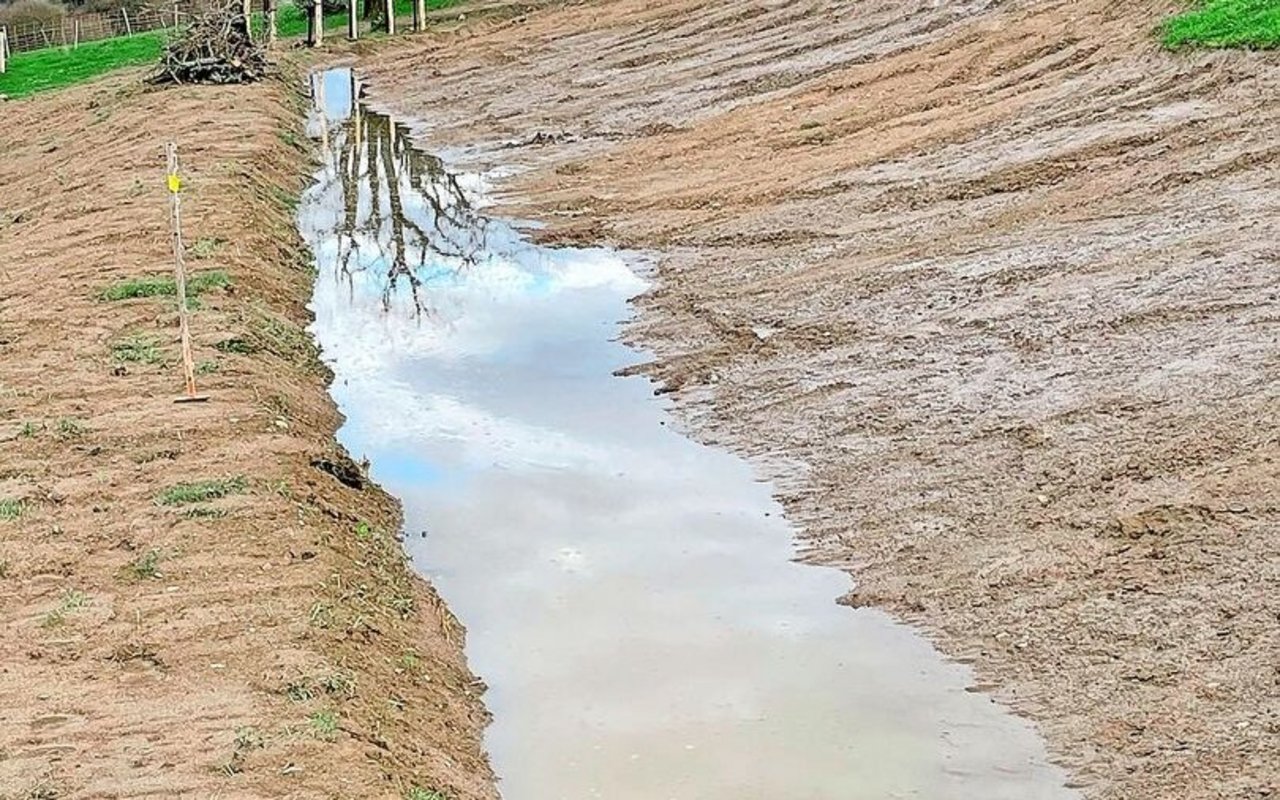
{"points": [[630, 596]]}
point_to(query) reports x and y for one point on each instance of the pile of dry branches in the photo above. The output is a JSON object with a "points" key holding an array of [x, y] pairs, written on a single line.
{"points": [[216, 48]]}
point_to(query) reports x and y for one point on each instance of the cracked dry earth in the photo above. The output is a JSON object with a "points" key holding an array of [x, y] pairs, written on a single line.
{"points": [[991, 290]]}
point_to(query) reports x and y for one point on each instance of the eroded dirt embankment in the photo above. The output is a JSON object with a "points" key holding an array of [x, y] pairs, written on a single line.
{"points": [[990, 289], [269, 642]]}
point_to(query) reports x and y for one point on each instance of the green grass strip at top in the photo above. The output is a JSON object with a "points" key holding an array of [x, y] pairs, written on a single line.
{"points": [[1253, 24], [55, 67], [164, 286]]}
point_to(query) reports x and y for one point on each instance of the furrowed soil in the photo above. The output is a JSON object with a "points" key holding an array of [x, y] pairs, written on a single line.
{"points": [[192, 604], [991, 290]]}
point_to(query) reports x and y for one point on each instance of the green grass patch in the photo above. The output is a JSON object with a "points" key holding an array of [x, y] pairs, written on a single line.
{"points": [[324, 725], [200, 491], [137, 349], [418, 793], [165, 286], [204, 512], [206, 246], [54, 67], [146, 565], [10, 509], [72, 600], [1253, 24], [71, 428]]}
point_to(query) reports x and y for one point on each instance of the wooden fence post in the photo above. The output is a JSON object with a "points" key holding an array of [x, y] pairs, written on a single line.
{"points": [[269, 14], [315, 23], [75, 43], [4, 49], [391, 17], [419, 15], [353, 22]]}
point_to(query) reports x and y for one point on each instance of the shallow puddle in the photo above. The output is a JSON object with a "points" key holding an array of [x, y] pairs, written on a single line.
{"points": [[629, 595]]}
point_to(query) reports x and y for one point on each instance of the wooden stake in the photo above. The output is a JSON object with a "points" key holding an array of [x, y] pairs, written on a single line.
{"points": [[76, 42], [180, 275], [391, 17], [269, 11], [315, 30], [353, 22], [128, 29], [419, 15], [4, 49]]}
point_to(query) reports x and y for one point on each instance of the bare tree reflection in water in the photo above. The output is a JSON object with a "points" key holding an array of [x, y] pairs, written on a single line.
{"points": [[397, 201]]}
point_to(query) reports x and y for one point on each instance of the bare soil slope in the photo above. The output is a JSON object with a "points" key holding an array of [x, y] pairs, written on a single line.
{"points": [[992, 289], [269, 642]]}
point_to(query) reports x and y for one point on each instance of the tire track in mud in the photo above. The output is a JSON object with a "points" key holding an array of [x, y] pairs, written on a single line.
{"points": [[1002, 277]]}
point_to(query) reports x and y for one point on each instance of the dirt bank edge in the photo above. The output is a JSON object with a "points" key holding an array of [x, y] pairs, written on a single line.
{"points": [[268, 639]]}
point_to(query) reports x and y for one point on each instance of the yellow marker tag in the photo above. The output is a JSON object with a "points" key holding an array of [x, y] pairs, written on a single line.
{"points": [[175, 183]]}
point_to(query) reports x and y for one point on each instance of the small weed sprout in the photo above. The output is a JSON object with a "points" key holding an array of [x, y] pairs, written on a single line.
{"points": [[339, 683], [44, 790], [204, 512], [30, 429], [71, 428], [324, 724], [206, 367], [321, 616], [300, 690], [137, 349], [72, 600], [206, 246], [237, 345], [249, 738], [11, 509], [147, 565], [402, 604], [418, 793]]}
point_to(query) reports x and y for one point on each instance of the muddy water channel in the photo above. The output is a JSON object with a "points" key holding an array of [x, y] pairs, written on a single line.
{"points": [[630, 596]]}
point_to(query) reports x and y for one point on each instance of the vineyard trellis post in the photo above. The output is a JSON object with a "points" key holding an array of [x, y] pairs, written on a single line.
{"points": [[269, 15], [353, 22], [391, 17], [4, 49], [174, 181], [315, 23], [128, 29]]}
